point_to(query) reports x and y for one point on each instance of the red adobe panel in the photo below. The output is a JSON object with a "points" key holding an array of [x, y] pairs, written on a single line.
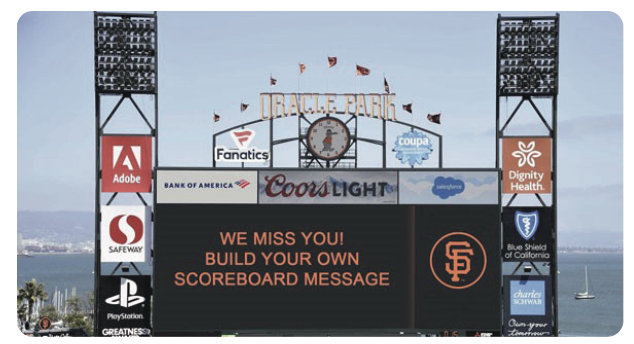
{"points": [[126, 163]]}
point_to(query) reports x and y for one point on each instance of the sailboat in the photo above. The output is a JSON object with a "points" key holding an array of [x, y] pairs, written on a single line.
{"points": [[585, 295]]}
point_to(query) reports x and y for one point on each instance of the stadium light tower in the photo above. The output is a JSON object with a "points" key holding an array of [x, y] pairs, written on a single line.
{"points": [[527, 68], [126, 68]]}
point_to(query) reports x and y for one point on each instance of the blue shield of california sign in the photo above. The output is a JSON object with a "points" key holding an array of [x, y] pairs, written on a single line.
{"points": [[413, 147], [526, 223]]}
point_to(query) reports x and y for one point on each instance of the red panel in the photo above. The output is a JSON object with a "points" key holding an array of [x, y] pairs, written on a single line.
{"points": [[126, 163]]}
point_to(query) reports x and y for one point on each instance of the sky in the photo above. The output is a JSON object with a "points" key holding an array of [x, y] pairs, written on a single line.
{"points": [[212, 61]]}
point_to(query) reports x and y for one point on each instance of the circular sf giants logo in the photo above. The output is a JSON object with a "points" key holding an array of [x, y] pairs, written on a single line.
{"points": [[458, 260]]}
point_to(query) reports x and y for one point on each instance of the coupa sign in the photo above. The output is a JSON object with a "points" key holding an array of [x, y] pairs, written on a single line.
{"points": [[285, 187], [412, 147]]}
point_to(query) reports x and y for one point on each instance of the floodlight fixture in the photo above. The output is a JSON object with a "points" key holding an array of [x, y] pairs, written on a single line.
{"points": [[528, 54], [125, 53]]}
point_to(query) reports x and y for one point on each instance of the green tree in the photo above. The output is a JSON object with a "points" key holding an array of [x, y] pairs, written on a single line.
{"points": [[75, 318], [51, 312], [31, 292], [22, 308]]}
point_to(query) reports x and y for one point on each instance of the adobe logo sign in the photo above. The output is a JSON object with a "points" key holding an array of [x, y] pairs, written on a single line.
{"points": [[126, 163], [125, 233]]}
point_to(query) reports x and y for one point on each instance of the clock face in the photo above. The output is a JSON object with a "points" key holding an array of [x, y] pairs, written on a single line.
{"points": [[328, 138]]}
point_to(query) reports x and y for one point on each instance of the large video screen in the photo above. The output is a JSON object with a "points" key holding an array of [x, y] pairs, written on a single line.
{"points": [[295, 266]]}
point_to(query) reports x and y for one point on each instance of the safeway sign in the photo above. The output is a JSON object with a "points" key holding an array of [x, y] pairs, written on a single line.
{"points": [[126, 233], [126, 163]]}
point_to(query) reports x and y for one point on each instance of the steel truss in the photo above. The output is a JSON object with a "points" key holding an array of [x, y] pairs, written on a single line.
{"points": [[126, 67], [527, 68]]}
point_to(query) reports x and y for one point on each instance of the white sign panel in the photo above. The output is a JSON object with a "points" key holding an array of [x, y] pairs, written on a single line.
{"points": [[126, 233], [207, 187], [328, 187], [448, 187]]}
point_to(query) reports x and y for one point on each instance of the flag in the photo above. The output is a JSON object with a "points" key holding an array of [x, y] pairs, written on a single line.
{"points": [[332, 61], [407, 107], [362, 70], [216, 118], [434, 118], [302, 68], [387, 86], [243, 107], [273, 81]]}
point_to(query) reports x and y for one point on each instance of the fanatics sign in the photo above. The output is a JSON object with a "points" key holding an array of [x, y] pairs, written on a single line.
{"points": [[126, 163]]}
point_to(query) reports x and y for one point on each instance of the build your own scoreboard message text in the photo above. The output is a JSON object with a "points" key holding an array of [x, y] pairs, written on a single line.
{"points": [[334, 254]]}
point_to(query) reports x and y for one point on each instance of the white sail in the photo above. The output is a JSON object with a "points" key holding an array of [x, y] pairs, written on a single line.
{"points": [[586, 295]]}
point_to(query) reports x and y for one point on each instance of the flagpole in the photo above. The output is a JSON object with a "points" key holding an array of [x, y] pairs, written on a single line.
{"points": [[327, 73], [213, 120], [355, 77]]}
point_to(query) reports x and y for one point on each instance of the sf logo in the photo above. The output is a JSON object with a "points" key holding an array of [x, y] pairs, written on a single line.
{"points": [[458, 253], [458, 260]]}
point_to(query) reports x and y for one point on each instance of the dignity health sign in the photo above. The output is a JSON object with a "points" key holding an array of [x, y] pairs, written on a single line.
{"points": [[527, 165]]}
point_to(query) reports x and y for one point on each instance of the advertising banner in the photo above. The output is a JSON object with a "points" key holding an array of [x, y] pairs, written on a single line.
{"points": [[126, 233], [126, 163], [527, 234], [207, 187], [526, 163], [448, 187], [412, 148], [527, 306], [124, 306], [328, 187], [243, 152], [458, 279]]}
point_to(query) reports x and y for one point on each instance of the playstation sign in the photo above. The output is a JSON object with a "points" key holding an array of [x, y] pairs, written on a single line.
{"points": [[124, 303]]}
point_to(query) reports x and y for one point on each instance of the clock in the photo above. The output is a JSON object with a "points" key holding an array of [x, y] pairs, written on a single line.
{"points": [[328, 138]]}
